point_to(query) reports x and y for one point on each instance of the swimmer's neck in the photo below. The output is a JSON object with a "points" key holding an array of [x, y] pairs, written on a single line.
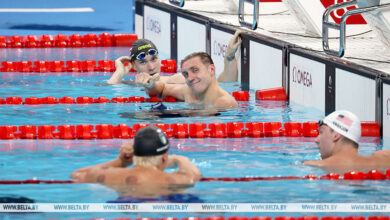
{"points": [[345, 149], [155, 168], [212, 92]]}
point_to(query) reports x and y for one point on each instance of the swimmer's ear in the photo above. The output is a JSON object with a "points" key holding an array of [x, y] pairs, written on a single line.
{"points": [[336, 136], [212, 69], [164, 158]]}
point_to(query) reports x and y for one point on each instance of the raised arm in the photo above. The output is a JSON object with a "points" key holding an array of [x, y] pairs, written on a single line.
{"points": [[187, 173], [121, 70], [230, 70], [124, 159]]}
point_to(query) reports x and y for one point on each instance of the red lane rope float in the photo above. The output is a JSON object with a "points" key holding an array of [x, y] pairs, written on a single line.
{"points": [[14, 100], [371, 175], [167, 66], [74, 40], [175, 130]]}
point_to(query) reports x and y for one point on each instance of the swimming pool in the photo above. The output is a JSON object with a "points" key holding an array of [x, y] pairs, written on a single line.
{"points": [[227, 157]]}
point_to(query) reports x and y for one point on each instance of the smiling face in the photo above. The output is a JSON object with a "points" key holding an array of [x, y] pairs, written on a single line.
{"points": [[325, 141], [150, 64], [197, 74]]}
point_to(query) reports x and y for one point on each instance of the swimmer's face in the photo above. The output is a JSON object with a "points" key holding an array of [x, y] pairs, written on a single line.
{"points": [[198, 75], [324, 141], [150, 64]]}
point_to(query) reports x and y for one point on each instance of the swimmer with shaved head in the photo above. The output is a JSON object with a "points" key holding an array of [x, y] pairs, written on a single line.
{"points": [[149, 155]]}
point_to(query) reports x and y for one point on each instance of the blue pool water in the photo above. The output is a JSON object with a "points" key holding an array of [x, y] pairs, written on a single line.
{"points": [[244, 157]]}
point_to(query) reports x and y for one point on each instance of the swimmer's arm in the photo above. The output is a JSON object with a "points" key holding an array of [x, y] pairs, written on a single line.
{"points": [[162, 89], [187, 173], [121, 70], [230, 70], [313, 163], [80, 174], [178, 78], [124, 159]]}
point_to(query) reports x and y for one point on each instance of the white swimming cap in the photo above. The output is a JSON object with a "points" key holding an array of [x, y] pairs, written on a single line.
{"points": [[345, 123]]}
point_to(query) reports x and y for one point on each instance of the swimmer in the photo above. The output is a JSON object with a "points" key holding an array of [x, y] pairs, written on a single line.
{"points": [[149, 154], [338, 143], [201, 86], [145, 59]]}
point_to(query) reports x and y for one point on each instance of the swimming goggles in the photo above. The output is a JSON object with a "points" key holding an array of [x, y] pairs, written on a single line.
{"points": [[150, 52], [320, 123]]}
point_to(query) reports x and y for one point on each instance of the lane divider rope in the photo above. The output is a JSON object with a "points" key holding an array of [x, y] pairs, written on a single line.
{"points": [[40, 66], [175, 130], [371, 175], [65, 41], [50, 100]]}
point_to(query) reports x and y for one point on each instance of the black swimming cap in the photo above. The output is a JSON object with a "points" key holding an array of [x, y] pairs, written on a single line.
{"points": [[141, 45], [150, 141]]}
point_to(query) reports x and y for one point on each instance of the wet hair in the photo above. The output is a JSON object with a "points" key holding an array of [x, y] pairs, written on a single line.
{"points": [[346, 140], [149, 161], [349, 141], [205, 58]]}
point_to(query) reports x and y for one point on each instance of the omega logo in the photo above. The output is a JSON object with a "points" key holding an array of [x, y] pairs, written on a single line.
{"points": [[219, 49], [301, 77], [153, 25]]}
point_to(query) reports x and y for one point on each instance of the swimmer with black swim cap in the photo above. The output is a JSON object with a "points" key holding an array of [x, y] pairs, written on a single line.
{"points": [[144, 58], [150, 141], [149, 155]]}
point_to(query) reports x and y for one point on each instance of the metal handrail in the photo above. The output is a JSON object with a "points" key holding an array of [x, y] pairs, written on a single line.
{"points": [[342, 26], [241, 13], [179, 3], [326, 25]]}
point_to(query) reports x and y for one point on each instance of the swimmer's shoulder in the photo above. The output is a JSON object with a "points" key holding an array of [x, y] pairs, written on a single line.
{"points": [[383, 155], [226, 101]]}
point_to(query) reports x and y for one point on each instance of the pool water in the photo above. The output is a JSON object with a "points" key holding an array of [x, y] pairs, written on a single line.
{"points": [[243, 157]]}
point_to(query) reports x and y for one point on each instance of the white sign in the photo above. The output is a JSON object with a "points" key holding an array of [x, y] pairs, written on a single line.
{"points": [[356, 94], [266, 65], [307, 82], [139, 25], [219, 42], [157, 28], [191, 37]]}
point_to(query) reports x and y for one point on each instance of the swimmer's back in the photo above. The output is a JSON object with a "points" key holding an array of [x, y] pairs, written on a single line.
{"points": [[140, 182], [136, 176]]}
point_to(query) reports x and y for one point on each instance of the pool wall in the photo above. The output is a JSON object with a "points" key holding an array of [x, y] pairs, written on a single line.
{"points": [[310, 78]]}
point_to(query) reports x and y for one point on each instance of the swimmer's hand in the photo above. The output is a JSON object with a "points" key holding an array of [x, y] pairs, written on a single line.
{"points": [[120, 64], [233, 45], [121, 70], [147, 80], [126, 153]]}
